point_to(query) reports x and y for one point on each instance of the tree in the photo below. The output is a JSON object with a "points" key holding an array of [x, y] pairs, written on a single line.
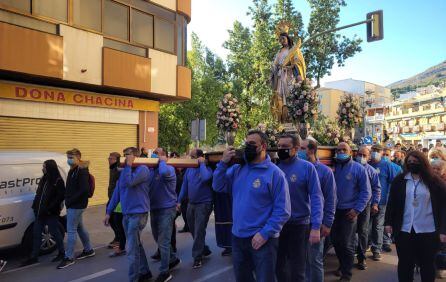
{"points": [[322, 52]]}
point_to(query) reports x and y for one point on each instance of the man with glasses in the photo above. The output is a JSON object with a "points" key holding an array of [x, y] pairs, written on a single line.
{"points": [[387, 172], [353, 193]]}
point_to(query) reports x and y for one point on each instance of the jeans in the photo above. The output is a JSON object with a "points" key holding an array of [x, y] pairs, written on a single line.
{"points": [[53, 226], [197, 218], [315, 262], [161, 221], [363, 233], [292, 253], [246, 260], [343, 238], [419, 248], [74, 227], [377, 230], [136, 256], [116, 219]]}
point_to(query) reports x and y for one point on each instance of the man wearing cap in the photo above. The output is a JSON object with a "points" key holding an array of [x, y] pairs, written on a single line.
{"points": [[387, 171], [353, 192]]}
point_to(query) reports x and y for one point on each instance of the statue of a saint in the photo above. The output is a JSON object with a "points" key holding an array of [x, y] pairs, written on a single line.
{"points": [[288, 65]]}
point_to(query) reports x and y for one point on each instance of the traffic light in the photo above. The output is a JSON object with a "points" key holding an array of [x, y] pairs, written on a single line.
{"points": [[375, 30]]}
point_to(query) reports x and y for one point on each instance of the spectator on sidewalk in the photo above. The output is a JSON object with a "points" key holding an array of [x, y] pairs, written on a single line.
{"points": [[47, 206], [132, 192], [76, 200]]}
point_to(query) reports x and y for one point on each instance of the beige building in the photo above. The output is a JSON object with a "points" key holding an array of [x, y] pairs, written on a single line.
{"points": [[329, 100]]}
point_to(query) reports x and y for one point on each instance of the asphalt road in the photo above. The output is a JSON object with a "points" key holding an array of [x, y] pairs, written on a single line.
{"points": [[102, 268]]}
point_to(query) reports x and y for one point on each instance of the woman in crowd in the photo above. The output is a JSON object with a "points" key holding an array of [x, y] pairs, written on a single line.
{"points": [[47, 206], [416, 216], [437, 153], [439, 167]]}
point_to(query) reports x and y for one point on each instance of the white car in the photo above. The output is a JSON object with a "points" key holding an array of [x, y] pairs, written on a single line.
{"points": [[20, 173]]}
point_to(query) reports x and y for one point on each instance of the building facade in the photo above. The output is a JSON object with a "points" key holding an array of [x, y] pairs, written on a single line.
{"points": [[90, 74]]}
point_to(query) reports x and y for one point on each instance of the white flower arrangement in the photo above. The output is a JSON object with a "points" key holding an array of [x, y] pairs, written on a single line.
{"points": [[349, 112], [228, 114], [302, 102]]}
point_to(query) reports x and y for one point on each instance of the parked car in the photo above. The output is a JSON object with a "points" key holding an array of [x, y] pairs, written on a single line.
{"points": [[20, 173]]}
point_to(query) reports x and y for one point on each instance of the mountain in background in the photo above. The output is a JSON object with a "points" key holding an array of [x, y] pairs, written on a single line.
{"points": [[433, 75]]}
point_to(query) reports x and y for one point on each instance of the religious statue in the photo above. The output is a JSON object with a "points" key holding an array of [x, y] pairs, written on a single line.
{"points": [[288, 65]]}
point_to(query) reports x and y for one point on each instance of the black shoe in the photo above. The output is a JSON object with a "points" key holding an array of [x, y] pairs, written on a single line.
{"points": [[145, 277], [156, 256], [362, 265], [184, 230], [86, 254], [65, 263], [197, 264], [207, 252], [59, 257], [376, 256], [164, 277], [227, 252], [30, 261], [387, 248], [174, 263]]}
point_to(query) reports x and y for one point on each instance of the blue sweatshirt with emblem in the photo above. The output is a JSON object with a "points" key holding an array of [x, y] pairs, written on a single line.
{"points": [[132, 191], [305, 192], [197, 185], [353, 186], [163, 182], [387, 171], [260, 197], [375, 184], [328, 187]]}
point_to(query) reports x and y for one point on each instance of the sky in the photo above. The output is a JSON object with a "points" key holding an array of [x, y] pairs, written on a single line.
{"points": [[414, 35]]}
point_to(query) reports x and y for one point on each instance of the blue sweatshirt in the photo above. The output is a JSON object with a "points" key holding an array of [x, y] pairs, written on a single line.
{"points": [[197, 185], [387, 171], [132, 191], [374, 183], [328, 187], [162, 187], [260, 197], [353, 186], [304, 186]]}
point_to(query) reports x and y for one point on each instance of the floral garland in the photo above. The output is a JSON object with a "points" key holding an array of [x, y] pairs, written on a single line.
{"points": [[349, 112], [302, 102], [328, 132], [228, 114]]}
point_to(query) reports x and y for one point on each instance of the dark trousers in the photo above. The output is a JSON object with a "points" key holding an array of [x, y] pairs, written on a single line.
{"points": [[118, 228], [343, 239], [198, 218], [184, 205], [52, 221], [293, 252], [248, 261], [363, 233], [416, 248]]}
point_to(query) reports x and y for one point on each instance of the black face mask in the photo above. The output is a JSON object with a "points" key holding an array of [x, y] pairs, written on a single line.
{"points": [[250, 152], [414, 168], [283, 154], [112, 166]]}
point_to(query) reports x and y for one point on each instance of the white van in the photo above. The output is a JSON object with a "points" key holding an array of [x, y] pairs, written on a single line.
{"points": [[20, 173]]}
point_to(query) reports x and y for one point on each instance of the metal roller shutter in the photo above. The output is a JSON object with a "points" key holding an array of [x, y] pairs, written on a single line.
{"points": [[94, 140]]}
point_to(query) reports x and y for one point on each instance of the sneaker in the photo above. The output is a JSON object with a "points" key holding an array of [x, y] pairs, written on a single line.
{"points": [[387, 248], [369, 249], [226, 252], [376, 256], [65, 263], [362, 265], [156, 256], [59, 257], [29, 261], [117, 253], [86, 254], [207, 252], [164, 277], [174, 263], [2, 264], [197, 264], [145, 277]]}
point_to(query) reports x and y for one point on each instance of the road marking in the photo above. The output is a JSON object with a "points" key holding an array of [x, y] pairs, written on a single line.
{"points": [[95, 275], [213, 274]]}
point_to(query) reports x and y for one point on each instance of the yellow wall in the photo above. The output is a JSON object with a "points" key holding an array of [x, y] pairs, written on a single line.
{"points": [[329, 99]]}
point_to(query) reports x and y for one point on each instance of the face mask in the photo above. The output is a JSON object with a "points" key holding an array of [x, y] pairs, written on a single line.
{"points": [[70, 162], [386, 159], [342, 156], [154, 156], [414, 168], [283, 154], [376, 156], [434, 159], [361, 160], [302, 155], [250, 152]]}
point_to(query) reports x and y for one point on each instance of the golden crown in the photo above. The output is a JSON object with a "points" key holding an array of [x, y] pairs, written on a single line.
{"points": [[282, 27]]}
